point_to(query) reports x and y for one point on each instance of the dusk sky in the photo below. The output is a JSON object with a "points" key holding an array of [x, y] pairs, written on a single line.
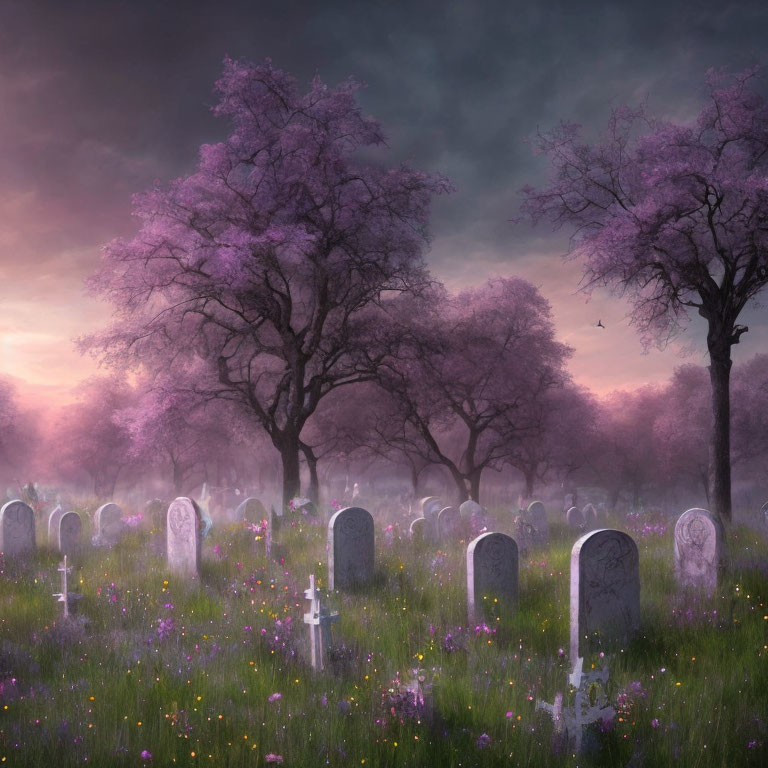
{"points": [[100, 98]]}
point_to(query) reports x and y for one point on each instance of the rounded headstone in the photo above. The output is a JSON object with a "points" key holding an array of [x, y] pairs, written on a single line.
{"points": [[430, 506], [155, 510], [252, 510], [575, 518], [492, 568], [536, 516], [699, 549], [448, 523], [53, 524], [470, 508], [17, 528], [70, 538], [419, 529], [350, 548], [605, 591], [764, 512], [183, 537], [108, 524]]}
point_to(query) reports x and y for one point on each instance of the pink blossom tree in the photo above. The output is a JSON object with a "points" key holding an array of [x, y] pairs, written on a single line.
{"points": [[88, 438], [464, 370], [675, 217], [261, 263]]}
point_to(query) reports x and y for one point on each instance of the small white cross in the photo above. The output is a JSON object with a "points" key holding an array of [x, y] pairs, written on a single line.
{"points": [[64, 595], [319, 620]]}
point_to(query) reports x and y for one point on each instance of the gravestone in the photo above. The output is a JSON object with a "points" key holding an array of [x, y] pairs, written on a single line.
{"points": [[469, 509], [492, 566], [764, 512], [430, 506], [251, 510], [419, 529], [17, 528], [605, 591], [183, 537], [699, 550], [70, 534], [107, 525], [53, 524], [575, 518], [536, 516], [350, 548], [448, 523], [319, 620], [570, 500], [590, 515]]}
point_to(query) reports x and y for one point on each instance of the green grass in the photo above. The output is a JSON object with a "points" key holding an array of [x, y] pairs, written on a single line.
{"points": [[101, 692]]}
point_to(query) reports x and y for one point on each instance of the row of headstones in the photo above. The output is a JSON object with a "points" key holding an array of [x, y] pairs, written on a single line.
{"points": [[65, 529], [605, 578]]}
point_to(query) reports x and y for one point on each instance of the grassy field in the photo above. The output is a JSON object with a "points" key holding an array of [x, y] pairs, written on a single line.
{"points": [[155, 671]]}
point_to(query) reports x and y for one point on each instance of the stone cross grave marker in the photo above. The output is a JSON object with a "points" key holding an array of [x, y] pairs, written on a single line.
{"points": [[183, 537], [17, 528], [605, 591], [70, 534], [63, 596], [350, 548], [590, 703], [699, 550], [492, 569], [319, 620]]}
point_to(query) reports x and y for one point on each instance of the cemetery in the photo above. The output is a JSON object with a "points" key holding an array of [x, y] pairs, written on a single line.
{"points": [[214, 646], [397, 402]]}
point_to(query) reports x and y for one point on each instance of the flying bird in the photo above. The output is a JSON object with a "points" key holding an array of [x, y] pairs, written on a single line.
{"points": [[600, 324]]}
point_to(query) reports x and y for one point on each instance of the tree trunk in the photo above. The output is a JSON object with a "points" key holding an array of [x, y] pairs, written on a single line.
{"points": [[289, 456], [720, 445], [313, 491], [474, 484], [530, 482], [178, 478], [461, 485], [415, 480]]}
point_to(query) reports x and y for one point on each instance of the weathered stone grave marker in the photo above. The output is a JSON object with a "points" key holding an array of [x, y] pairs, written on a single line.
{"points": [[536, 515], [430, 506], [492, 568], [17, 528], [448, 523], [419, 530], [590, 704], [699, 550], [69, 540], [183, 537], [53, 524], [108, 526], [350, 548], [252, 510], [575, 518], [319, 620], [605, 591]]}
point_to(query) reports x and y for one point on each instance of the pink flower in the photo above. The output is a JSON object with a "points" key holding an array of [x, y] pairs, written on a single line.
{"points": [[146, 754], [275, 697], [654, 723], [273, 758]]}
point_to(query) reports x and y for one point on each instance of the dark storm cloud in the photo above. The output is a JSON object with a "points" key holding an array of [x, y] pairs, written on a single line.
{"points": [[100, 98]]}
